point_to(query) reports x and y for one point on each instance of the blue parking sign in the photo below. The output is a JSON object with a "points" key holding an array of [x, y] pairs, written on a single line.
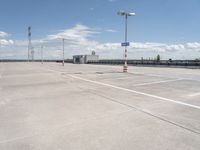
{"points": [[125, 44]]}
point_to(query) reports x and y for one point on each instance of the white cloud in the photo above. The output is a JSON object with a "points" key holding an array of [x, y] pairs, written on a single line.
{"points": [[194, 45], [3, 34], [4, 42], [79, 41], [175, 47], [111, 30], [3, 39], [137, 50], [166, 47], [79, 32]]}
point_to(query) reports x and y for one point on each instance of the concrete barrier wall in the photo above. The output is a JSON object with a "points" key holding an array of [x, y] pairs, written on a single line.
{"points": [[24, 60], [149, 62], [183, 63]]}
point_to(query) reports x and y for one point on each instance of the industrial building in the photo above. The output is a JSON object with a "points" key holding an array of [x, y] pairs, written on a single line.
{"points": [[83, 59]]}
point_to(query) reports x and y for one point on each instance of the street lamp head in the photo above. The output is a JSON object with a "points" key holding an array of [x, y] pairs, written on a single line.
{"points": [[121, 13], [131, 14]]}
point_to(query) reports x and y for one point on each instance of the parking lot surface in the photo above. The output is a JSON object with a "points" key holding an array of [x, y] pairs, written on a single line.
{"points": [[98, 107]]}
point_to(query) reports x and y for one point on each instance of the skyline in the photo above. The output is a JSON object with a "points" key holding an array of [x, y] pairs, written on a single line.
{"points": [[168, 28]]}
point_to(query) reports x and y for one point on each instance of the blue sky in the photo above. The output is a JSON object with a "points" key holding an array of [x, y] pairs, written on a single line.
{"points": [[169, 27]]}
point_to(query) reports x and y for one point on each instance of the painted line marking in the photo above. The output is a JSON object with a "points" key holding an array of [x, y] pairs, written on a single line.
{"points": [[151, 75], [137, 92], [157, 82], [118, 78], [147, 83], [194, 94], [148, 113], [163, 76]]}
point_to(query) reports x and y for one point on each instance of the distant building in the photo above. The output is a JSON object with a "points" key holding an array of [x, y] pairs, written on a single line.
{"points": [[83, 59]]}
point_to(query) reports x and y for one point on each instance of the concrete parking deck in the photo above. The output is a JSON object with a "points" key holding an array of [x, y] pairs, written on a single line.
{"points": [[96, 107]]}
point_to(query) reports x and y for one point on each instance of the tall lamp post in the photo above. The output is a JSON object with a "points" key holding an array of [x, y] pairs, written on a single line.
{"points": [[63, 62], [42, 53], [126, 14]]}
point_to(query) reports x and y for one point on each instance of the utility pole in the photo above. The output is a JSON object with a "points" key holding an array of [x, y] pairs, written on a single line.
{"points": [[30, 47], [0, 50], [42, 53], [29, 42], [32, 53], [63, 62]]}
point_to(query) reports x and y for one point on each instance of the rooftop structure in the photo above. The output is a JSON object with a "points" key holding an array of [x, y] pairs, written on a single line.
{"points": [[83, 59]]}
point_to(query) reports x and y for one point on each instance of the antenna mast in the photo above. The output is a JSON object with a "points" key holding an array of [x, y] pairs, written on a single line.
{"points": [[30, 47]]}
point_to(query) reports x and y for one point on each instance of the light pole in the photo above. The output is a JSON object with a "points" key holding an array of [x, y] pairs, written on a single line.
{"points": [[42, 53], [0, 49], [126, 14], [63, 62]]}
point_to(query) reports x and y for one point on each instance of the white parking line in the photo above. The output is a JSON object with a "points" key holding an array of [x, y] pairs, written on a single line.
{"points": [[137, 92], [157, 82], [147, 83], [120, 78], [151, 75], [163, 76], [194, 94]]}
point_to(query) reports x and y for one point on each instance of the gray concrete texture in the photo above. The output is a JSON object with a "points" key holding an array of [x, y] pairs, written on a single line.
{"points": [[96, 107]]}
